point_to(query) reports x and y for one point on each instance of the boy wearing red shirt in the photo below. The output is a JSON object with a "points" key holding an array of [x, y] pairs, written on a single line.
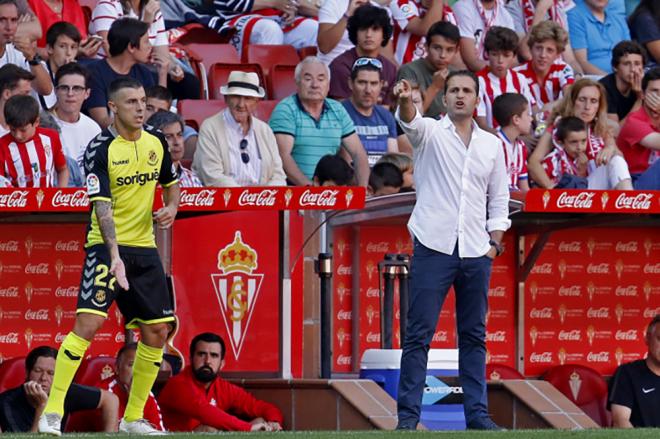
{"points": [[511, 111], [31, 156]]}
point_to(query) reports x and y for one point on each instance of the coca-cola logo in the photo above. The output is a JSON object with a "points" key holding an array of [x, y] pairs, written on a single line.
{"points": [[543, 357], [344, 360], [9, 246], [9, 292], [545, 268], [497, 292], [497, 336], [120, 337], [572, 291], [265, 197], [629, 335], [373, 292], [59, 337], [629, 291], [344, 315], [41, 268], [9, 338], [344, 270], [378, 247], [650, 313], [598, 313], [67, 246], [652, 268], [598, 357], [71, 291], [14, 199], [543, 313], [640, 201], [75, 199], [326, 198], [583, 200], [203, 198], [570, 247], [40, 314], [572, 335], [602, 268], [440, 336], [373, 337], [626, 247]]}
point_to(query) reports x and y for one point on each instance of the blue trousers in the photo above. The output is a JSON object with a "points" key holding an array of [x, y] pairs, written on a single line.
{"points": [[433, 273], [649, 180]]}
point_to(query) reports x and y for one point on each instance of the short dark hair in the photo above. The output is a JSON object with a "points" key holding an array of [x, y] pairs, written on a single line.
{"points": [[62, 28], [627, 47], [207, 337], [127, 347], [446, 30], [161, 118], [367, 64], [651, 75], [124, 32], [500, 38], [570, 124], [72, 68], [333, 168], [40, 351], [21, 110], [652, 324], [508, 105], [467, 73], [385, 174], [9, 2], [121, 83], [159, 92], [367, 16], [11, 74]]}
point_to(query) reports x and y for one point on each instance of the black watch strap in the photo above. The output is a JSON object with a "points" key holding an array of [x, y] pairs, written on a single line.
{"points": [[499, 248]]}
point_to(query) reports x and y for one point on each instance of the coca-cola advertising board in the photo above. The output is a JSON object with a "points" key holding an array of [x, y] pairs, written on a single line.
{"points": [[591, 201], [589, 298], [225, 269], [40, 268]]}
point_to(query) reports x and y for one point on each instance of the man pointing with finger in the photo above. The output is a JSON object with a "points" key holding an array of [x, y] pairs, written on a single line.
{"points": [[123, 165], [457, 225]]}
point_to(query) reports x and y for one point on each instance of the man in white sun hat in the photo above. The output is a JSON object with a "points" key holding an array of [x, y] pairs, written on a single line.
{"points": [[235, 148]]}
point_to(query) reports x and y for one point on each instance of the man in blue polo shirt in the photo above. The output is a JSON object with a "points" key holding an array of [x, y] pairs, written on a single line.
{"points": [[595, 30], [308, 125]]}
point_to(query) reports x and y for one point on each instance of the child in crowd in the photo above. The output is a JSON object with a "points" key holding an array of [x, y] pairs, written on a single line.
{"points": [[511, 112], [405, 164], [332, 170], [30, 156], [499, 77], [385, 179]]}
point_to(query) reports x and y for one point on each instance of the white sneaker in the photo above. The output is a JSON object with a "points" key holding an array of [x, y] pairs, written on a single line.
{"points": [[141, 426], [50, 423]]}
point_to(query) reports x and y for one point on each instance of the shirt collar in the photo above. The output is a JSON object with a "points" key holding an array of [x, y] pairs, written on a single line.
{"points": [[300, 106], [233, 125]]}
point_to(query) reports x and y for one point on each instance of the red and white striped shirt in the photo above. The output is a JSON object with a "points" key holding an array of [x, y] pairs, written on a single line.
{"points": [[594, 143], [550, 88], [490, 86], [188, 178], [408, 46], [515, 160], [33, 163], [558, 163]]}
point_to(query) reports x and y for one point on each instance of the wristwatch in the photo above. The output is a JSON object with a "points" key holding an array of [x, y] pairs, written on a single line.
{"points": [[35, 61], [499, 248]]}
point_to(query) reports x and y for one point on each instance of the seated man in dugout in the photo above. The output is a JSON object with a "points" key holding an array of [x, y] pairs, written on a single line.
{"points": [[199, 400], [21, 407]]}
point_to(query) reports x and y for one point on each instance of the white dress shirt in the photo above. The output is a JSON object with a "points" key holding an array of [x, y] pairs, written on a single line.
{"points": [[245, 174], [462, 192]]}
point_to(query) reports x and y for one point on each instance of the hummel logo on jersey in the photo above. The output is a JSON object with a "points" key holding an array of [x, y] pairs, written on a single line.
{"points": [[648, 390], [119, 162]]}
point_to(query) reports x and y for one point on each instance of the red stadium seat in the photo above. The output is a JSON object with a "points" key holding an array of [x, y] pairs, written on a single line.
{"points": [[498, 372], [585, 387], [304, 52], [12, 373], [93, 370], [281, 82], [198, 33], [213, 53], [219, 73], [267, 55], [194, 112], [264, 110]]}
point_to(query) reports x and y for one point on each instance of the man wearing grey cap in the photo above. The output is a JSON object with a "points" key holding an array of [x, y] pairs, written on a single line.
{"points": [[235, 148]]}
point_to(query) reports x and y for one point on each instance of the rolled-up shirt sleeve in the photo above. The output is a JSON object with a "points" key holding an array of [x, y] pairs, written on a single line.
{"points": [[498, 196]]}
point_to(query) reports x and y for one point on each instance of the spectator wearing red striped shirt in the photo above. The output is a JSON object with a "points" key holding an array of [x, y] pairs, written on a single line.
{"points": [[499, 77], [31, 156], [547, 75], [13, 81], [511, 111]]}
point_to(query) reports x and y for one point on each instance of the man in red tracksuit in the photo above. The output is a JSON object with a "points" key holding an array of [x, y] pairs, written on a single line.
{"points": [[199, 400]]}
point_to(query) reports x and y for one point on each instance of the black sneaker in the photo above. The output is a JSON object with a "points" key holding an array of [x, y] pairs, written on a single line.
{"points": [[484, 424]]}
